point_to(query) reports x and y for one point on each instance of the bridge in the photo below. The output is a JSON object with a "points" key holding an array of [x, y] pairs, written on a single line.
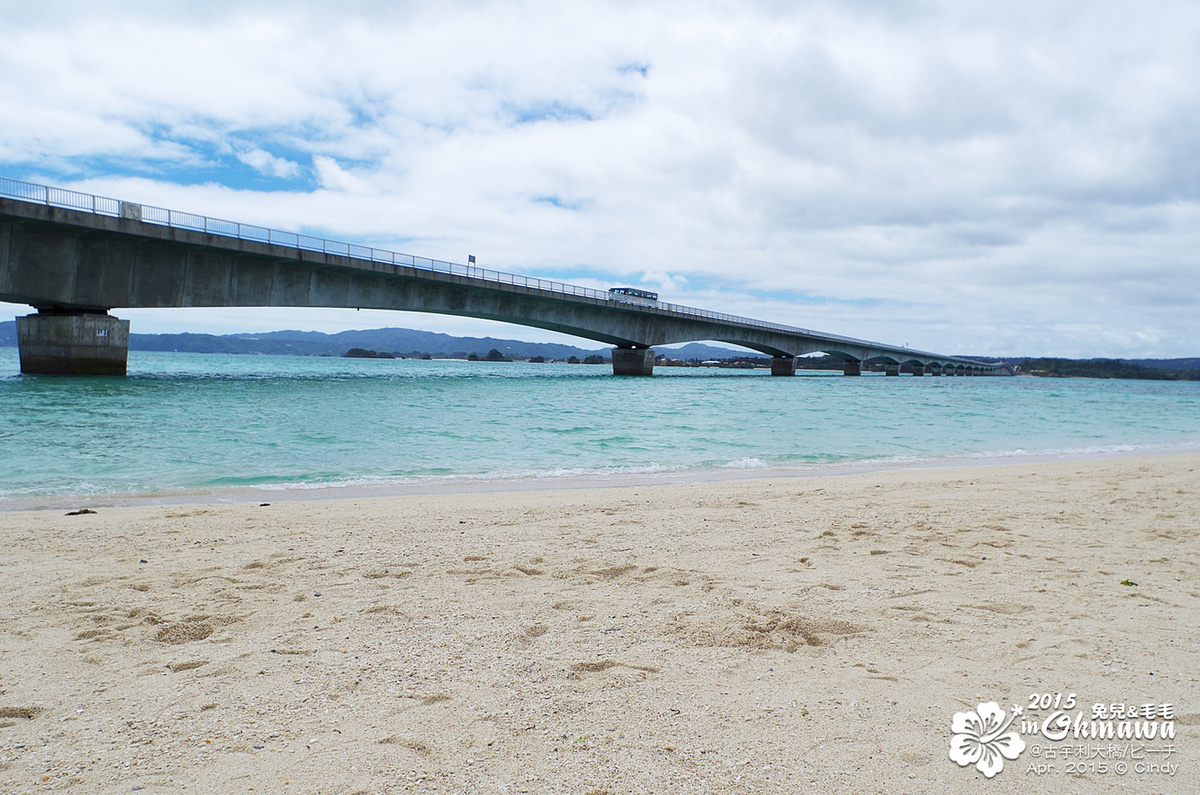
{"points": [[75, 257]]}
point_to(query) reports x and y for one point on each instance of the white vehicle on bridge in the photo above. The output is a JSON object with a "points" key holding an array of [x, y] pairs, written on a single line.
{"points": [[632, 295]]}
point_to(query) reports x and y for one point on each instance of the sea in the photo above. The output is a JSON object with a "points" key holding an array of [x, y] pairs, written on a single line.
{"points": [[186, 426]]}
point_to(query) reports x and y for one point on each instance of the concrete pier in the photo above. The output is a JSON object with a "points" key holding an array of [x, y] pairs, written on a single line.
{"points": [[783, 365], [918, 369], [852, 368], [934, 369], [73, 343], [633, 361], [891, 369]]}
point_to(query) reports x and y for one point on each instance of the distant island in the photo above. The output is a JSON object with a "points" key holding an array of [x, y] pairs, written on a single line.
{"points": [[1138, 369], [400, 343], [363, 353]]}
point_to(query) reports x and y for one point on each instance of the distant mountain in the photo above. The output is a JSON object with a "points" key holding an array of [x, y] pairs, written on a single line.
{"points": [[397, 341]]}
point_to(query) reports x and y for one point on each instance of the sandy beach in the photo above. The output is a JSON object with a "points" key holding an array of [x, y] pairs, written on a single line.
{"points": [[761, 636]]}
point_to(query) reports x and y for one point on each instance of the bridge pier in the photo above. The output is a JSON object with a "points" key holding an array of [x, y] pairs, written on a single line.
{"points": [[633, 361], [66, 342], [918, 369], [783, 365], [891, 369], [934, 369], [852, 368]]}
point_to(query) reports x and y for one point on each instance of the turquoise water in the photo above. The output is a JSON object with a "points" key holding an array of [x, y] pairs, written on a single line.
{"points": [[203, 422]]}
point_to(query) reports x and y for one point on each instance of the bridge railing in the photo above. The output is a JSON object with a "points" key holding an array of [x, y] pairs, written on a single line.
{"points": [[100, 205]]}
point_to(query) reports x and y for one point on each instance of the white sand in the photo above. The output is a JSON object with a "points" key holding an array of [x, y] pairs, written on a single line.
{"points": [[780, 636]]}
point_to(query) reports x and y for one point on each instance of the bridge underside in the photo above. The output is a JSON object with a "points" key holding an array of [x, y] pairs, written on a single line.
{"points": [[75, 266]]}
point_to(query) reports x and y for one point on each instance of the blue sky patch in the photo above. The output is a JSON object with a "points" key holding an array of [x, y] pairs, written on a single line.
{"points": [[642, 69], [548, 111], [558, 201]]}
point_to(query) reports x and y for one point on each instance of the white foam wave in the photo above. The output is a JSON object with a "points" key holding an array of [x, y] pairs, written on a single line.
{"points": [[745, 463]]}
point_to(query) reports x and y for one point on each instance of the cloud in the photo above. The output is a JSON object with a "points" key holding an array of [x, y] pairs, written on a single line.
{"points": [[333, 177], [266, 163], [1014, 178]]}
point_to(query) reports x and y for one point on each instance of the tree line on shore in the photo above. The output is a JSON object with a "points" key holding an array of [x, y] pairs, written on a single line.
{"points": [[492, 356], [1104, 368]]}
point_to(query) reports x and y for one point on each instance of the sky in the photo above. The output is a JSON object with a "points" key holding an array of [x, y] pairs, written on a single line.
{"points": [[1016, 178]]}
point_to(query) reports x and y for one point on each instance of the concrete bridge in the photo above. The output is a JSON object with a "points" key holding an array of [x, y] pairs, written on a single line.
{"points": [[74, 257]]}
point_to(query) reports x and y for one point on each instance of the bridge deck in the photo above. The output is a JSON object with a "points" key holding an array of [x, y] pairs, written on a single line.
{"points": [[66, 250]]}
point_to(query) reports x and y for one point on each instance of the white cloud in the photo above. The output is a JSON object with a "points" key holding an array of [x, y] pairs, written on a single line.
{"points": [[266, 163], [1014, 178], [333, 177]]}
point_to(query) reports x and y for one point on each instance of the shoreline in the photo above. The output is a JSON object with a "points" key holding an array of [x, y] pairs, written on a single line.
{"points": [[467, 484], [770, 636]]}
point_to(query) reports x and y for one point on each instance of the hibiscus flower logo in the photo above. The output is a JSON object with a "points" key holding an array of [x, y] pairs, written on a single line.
{"points": [[979, 738]]}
